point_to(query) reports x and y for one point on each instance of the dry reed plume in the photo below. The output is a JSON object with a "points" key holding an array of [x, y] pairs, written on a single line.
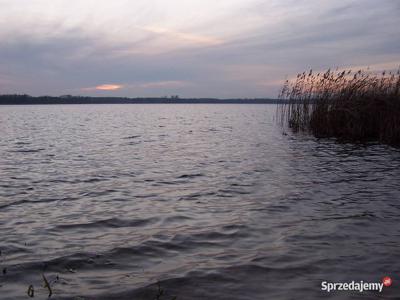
{"points": [[351, 106]]}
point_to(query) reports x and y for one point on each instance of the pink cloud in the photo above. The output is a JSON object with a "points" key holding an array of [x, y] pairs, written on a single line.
{"points": [[108, 87], [104, 87]]}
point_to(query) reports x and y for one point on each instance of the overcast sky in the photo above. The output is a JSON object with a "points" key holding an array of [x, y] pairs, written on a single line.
{"points": [[193, 48]]}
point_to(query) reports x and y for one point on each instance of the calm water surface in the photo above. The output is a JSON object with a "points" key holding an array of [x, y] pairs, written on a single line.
{"points": [[210, 201]]}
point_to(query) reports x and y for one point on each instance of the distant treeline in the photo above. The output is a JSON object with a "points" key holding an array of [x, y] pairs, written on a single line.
{"points": [[26, 99]]}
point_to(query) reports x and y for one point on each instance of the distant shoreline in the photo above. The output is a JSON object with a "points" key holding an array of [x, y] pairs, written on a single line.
{"points": [[42, 100]]}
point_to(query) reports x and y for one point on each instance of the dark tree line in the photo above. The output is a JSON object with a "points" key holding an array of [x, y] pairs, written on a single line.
{"points": [[68, 99]]}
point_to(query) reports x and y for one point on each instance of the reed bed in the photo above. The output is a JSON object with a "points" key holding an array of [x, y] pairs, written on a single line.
{"points": [[351, 106]]}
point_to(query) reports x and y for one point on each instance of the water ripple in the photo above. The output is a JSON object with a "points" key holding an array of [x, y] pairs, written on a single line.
{"points": [[210, 201]]}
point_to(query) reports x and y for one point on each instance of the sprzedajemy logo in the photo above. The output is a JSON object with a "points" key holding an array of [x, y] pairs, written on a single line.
{"points": [[360, 286]]}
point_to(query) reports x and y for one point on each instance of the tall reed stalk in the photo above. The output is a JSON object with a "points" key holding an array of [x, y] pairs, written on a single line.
{"points": [[351, 106]]}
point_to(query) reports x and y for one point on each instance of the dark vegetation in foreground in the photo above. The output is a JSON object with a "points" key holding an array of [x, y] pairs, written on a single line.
{"points": [[350, 106], [68, 99], [48, 284]]}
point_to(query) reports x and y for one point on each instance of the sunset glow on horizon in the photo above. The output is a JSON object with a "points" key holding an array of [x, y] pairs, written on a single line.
{"points": [[108, 87]]}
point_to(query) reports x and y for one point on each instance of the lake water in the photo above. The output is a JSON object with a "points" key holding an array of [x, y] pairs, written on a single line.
{"points": [[208, 201]]}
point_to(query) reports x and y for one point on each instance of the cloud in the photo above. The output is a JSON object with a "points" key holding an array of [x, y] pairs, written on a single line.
{"points": [[108, 87], [161, 84], [183, 36], [191, 48]]}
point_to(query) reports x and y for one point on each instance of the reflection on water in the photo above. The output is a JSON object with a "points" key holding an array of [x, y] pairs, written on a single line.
{"points": [[212, 201]]}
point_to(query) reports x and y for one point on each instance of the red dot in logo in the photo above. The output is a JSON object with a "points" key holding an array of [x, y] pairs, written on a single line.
{"points": [[387, 281]]}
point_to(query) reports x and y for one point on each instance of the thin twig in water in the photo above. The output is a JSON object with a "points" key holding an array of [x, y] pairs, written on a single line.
{"points": [[160, 293], [47, 285], [31, 291]]}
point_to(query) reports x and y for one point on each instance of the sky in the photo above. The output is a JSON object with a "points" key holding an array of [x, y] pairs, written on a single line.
{"points": [[190, 48]]}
